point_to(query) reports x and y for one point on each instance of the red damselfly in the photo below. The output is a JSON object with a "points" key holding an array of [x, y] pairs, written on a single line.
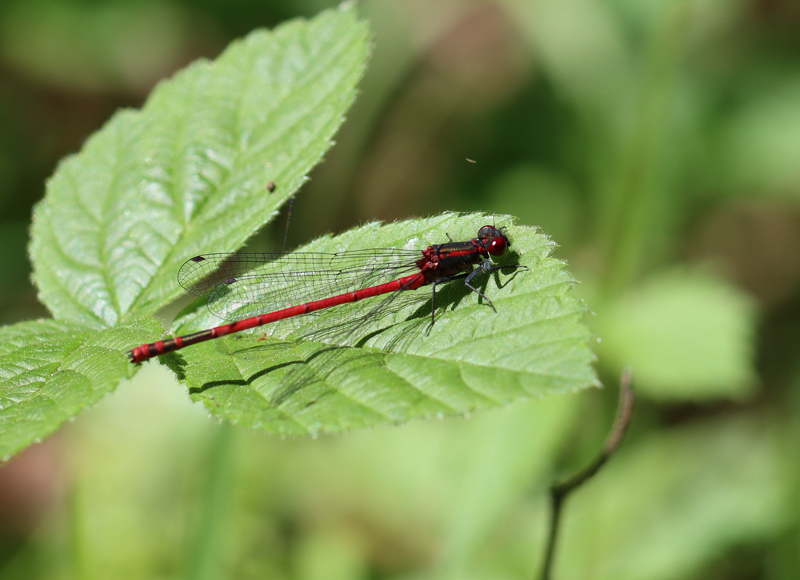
{"points": [[240, 285]]}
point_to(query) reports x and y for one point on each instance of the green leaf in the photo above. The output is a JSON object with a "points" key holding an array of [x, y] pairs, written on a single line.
{"points": [[188, 173], [50, 370], [758, 147], [310, 377], [687, 335]]}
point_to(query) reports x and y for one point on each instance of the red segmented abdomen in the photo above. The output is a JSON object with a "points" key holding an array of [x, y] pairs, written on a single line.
{"points": [[146, 351]]}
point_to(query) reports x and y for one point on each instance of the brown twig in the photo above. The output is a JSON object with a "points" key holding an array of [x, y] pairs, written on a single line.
{"points": [[560, 491]]}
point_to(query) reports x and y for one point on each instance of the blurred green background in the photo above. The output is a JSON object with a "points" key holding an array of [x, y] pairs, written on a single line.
{"points": [[657, 141]]}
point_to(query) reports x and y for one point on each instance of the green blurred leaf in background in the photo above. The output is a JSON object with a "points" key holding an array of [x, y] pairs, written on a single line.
{"points": [[94, 47], [687, 334]]}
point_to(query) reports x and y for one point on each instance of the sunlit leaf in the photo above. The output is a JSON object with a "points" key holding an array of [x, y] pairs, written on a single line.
{"points": [[51, 370], [321, 377], [188, 173]]}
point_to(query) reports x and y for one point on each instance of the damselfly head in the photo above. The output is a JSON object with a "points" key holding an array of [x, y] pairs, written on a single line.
{"points": [[494, 240]]}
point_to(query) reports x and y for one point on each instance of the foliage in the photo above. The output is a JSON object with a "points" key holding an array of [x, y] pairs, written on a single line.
{"points": [[185, 176], [655, 142], [536, 343]]}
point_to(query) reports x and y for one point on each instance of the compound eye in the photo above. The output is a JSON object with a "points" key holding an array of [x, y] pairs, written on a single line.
{"points": [[497, 247], [486, 232]]}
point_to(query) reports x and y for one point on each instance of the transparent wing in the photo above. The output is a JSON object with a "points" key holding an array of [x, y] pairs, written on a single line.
{"points": [[240, 285]]}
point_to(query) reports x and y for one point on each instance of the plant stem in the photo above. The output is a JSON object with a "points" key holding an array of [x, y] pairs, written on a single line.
{"points": [[560, 491]]}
